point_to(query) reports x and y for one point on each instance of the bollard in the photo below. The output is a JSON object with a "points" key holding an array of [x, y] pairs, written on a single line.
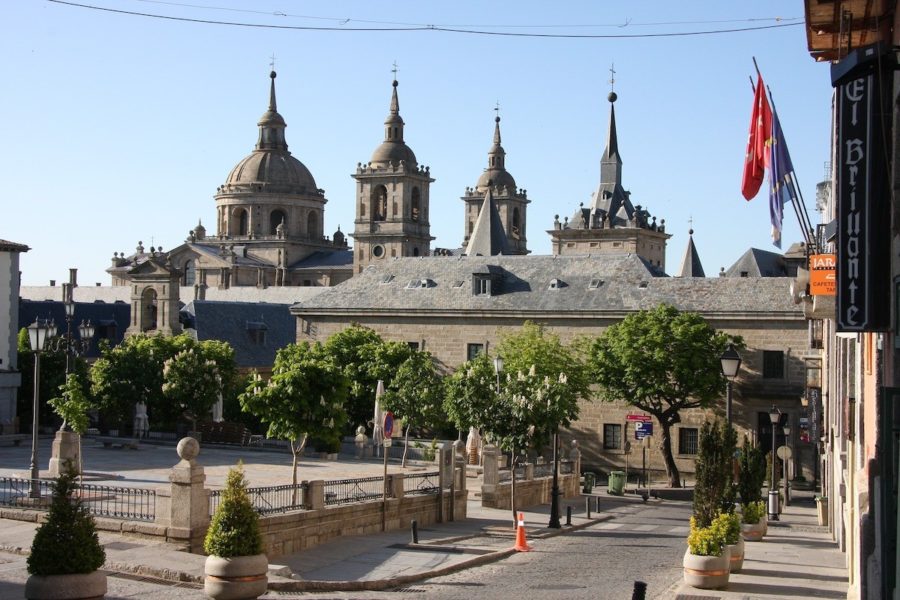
{"points": [[598, 504], [414, 530], [587, 506], [569, 515], [640, 591]]}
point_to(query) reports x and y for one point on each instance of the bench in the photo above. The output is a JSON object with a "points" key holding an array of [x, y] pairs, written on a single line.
{"points": [[15, 438], [108, 442], [223, 432]]}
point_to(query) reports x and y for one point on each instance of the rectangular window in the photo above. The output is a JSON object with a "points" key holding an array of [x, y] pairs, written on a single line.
{"points": [[413, 345], [257, 337], [473, 350], [773, 364], [687, 440], [612, 436]]}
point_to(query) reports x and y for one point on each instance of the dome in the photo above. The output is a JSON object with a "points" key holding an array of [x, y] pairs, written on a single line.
{"points": [[497, 178], [275, 169], [394, 152]]}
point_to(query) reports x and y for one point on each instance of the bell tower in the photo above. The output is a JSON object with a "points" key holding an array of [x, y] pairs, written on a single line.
{"points": [[392, 199]]}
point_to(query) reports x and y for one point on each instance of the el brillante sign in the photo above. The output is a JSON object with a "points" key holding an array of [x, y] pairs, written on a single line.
{"points": [[862, 193]]}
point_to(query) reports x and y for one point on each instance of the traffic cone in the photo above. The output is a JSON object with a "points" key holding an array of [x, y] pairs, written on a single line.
{"points": [[521, 543]]}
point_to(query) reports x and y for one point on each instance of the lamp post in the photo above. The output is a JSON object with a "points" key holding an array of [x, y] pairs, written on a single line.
{"points": [[787, 459], [66, 343], [554, 493], [731, 364], [774, 417], [38, 332]]}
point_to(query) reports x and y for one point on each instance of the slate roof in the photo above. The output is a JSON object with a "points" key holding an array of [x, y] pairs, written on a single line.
{"points": [[758, 263], [7, 246], [488, 237], [586, 286], [320, 259], [233, 322], [690, 263]]}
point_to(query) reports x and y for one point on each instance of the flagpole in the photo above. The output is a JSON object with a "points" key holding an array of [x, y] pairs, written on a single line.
{"points": [[794, 188]]}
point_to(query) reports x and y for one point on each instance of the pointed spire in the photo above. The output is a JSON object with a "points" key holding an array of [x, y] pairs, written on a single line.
{"points": [[690, 264], [488, 237], [612, 139], [497, 130], [271, 124], [395, 102], [393, 125]]}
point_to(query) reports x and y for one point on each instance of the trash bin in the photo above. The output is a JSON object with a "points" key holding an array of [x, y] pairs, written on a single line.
{"points": [[589, 480], [616, 483]]}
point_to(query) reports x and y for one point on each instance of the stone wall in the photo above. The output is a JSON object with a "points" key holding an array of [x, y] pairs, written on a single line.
{"points": [[529, 492]]}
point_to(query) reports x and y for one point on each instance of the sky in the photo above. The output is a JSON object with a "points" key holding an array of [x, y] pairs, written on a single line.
{"points": [[118, 128]]}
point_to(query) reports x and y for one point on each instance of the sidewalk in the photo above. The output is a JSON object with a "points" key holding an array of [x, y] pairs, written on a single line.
{"points": [[796, 559]]}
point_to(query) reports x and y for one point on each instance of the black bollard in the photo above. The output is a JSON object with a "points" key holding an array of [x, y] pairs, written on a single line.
{"points": [[414, 529], [640, 591], [569, 516], [587, 506]]}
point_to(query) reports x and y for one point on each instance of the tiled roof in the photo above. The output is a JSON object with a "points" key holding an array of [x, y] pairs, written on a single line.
{"points": [[7, 246]]}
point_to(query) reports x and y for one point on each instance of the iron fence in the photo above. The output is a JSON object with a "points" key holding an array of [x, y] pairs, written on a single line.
{"points": [[345, 491], [135, 504], [422, 484], [543, 470], [269, 500]]}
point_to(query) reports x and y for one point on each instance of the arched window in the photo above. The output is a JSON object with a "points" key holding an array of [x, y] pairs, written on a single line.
{"points": [[275, 219], [379, 203], [416, 202], [312, 225], [416, 251], [148, 310], [516, 224], [240, 222], [190, 273]]}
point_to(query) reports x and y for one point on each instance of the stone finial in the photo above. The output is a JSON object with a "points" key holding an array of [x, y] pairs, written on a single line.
{"points": [[188, 449], [140, 248]]}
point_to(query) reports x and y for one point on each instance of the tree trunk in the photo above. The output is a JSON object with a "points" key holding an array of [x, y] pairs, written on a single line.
{"points": [[668, 458], [405, 448]]}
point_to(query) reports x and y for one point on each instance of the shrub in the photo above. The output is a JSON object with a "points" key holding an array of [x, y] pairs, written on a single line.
{"points": [[752, 473], [234, 529], [709, 489], [752, 512], [705, 541], [67, 542], [729, 527]]}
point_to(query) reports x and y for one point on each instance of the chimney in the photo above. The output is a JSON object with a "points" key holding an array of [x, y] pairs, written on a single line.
{"points": [[73, 277], [52, 283]]}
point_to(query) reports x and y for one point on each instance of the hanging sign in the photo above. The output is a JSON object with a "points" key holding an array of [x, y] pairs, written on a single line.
{"points": [[822, 278]]}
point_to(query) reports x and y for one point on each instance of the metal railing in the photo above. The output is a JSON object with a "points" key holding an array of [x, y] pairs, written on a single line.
{"points": [[345, 491], [268, 500], [135, 504], [543, 470], [422, 484]]}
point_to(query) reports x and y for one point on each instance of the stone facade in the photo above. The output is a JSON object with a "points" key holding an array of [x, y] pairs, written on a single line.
{"points": [[10, 378]]}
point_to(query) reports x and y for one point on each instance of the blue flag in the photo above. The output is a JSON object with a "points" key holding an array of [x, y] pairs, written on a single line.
{"points": [[781, 173]]}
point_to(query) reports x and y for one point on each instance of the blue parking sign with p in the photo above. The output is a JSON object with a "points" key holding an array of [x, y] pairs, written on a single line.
{"points": [[643, 429]]}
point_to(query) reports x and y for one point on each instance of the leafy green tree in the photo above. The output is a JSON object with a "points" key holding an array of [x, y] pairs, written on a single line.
{"points": [[192, 383], [470, 393], [364, 357], [304, 398], [66, 543], [53, 375], [416, 394], [73, 404], [710, 483], [662, 361], [234, 528]]}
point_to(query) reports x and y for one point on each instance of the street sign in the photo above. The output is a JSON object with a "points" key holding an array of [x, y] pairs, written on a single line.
{"points": [[643, 429], [637, 417], [784, 453], [388, 425]]}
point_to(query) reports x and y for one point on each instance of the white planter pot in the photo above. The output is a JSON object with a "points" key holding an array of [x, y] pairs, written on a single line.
{"points": [[753, 532], [78, 586], [236, 578], [736, 553], [706, 572]]}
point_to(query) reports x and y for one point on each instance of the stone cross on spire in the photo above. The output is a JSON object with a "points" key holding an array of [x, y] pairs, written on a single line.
{"points": [[272, 62], [612, 77], [394, 70]]}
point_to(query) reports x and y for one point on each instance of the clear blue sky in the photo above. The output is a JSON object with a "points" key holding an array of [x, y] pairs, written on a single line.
{"points": [[119, 128]]}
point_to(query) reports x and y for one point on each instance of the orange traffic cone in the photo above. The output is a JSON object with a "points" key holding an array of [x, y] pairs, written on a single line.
{"points": [[521, 543]]}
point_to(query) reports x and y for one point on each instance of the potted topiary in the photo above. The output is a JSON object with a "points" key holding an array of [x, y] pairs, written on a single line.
{"points": [[706, 560], [66, 552], [752, 526], [730, 527], [236, 566]]}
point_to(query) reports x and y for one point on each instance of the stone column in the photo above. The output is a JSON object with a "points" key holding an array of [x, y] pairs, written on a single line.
{"points": [[490, 454], [185, 505], [316, 495], [64, 452]]}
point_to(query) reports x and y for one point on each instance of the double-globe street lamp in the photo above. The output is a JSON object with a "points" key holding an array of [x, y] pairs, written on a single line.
{"points": [[731, 364], [42, 337], [774, 417]]}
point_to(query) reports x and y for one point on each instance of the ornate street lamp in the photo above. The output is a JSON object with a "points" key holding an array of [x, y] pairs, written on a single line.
{"points": [[498, 368], [774, 417], [38, 333], [731, 364]]}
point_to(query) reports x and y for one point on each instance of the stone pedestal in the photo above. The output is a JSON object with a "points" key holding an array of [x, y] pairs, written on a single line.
{"points": [[184, 507], [64, 452], [489, 455]]}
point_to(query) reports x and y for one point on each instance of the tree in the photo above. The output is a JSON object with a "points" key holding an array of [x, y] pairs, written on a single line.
{"points": [[53, 375], [416, 394], [234, 528], [192, 383], [662, 361], [710, 482], [73, 404], [304, 398], [364, 358]]}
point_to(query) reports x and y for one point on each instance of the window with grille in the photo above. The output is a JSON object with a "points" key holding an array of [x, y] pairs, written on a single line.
{"points": [[612, 436], [687, 440], [473, 350], [773, 364]]}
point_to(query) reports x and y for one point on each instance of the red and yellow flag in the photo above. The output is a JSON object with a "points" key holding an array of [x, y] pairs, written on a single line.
{"points": [[757, 157]]}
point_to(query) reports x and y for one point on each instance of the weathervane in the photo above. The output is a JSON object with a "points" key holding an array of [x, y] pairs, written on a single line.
{"points": [[394, 70], [497, 108], [272, 62], [612, 77]]}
